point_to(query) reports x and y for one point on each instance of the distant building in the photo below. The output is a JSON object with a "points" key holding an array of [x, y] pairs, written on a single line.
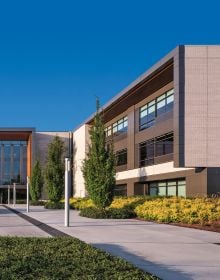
{"points": [[19, 148]]}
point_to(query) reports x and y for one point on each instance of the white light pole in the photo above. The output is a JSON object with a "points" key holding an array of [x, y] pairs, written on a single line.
{"points": [[8, 194], [28, 182], [67, 183], [14, 194]]}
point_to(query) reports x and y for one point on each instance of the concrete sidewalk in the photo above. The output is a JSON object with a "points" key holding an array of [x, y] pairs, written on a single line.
{"points": [[170, 252], [12, 225]]}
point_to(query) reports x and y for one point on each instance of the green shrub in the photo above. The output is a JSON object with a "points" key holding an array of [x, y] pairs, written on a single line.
{"points": [[37, 203], [54, 205], [110, 213]]}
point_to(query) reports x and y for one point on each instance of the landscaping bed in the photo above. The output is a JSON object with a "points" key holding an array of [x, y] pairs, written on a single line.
{"points": [[61, 258]]}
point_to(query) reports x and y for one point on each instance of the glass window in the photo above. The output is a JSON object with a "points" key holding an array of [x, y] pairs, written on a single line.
{"points": [[164, 144], [168, 187], [147, 153], [14, 167], [182, 191], [153, 191], [149, 112], [121, 157], [171, 191], [120, 126], [120, 190]]}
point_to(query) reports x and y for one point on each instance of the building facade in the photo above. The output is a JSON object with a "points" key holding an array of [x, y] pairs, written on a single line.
{"points": [[165, 128], [19, 148]]}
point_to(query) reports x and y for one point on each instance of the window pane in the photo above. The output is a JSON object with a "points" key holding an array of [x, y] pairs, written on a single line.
{"points": [[161, 107], [143, 113], [161, 97], [171, 183], [120, 126], [162, 191], [170, 92], [143, 108], [153, 191], [171, 191], [151, 103], [170, 99], [126, 123], [182, 191], [120, 190]]}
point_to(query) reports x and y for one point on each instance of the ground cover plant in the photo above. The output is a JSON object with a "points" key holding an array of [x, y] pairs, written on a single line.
{"points": [[61, 258]]}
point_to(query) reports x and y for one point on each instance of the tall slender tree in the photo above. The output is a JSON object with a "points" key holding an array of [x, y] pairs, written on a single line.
{"points": [[36, 182], [54, 170], [99, 166]]}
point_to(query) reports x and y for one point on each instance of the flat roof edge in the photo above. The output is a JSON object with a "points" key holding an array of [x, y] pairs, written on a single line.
{"points": [[137, 81]]}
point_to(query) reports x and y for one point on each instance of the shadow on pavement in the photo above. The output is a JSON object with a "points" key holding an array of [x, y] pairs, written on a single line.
{"points": [[159, 270]]}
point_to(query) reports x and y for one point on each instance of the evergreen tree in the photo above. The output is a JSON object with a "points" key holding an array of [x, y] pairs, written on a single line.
{"points": [[99, 166], [36, 182], [54, 170]]}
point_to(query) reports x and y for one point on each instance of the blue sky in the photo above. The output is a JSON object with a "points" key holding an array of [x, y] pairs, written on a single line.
{"points": [[56, 56]]}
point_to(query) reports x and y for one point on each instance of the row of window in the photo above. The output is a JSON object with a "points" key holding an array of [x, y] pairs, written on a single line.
{"points": [[117, 127], [175, 187], [149, 150], [147, 114], [168, 188], [155, 147]]}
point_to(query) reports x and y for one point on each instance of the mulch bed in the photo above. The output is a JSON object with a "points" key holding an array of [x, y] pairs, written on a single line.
{"points": [[215, 227]]}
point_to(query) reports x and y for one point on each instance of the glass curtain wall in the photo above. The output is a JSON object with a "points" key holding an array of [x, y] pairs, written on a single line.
{"points": [[13, 162]]}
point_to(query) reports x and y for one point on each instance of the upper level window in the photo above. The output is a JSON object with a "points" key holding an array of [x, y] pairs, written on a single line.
{"points": [[164, 145], [117, 127], [121, 157], [156, 107], [155, 147]]}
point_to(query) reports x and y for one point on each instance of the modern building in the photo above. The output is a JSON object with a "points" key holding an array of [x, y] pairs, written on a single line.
{"points": [[165, 127], [19, 148]]}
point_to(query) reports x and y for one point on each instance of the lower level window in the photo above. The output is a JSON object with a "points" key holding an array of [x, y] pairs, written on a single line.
{"points": [[120, 190], [175, 187]]}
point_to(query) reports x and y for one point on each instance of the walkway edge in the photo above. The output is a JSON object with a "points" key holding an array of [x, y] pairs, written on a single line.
{"points": [[48, 229]]}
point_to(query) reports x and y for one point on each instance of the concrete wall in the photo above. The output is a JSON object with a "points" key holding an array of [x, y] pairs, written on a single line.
{"points": [[80, 148], [202, 103]]}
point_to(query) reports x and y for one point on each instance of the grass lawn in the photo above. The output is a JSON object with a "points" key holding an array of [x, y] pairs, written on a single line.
{"points": [[61, 258]]}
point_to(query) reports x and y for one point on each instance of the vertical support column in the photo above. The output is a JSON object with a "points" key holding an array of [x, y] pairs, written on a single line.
{"points": [[67, 187], [28, 182], [12, 162], [14, 194]]}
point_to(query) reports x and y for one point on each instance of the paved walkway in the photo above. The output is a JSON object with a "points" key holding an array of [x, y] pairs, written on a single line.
{"points": [[12, 225], [170, 252]]}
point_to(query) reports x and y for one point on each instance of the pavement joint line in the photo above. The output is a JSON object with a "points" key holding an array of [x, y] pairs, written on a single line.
{"points": [[44, 227]]}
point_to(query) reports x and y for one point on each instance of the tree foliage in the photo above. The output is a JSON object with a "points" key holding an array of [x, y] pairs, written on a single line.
{"points": [[99, 165], [54, 170], [36, 182]]}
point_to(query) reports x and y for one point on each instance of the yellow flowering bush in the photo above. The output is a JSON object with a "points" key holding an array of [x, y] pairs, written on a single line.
{"points": [[127, 202], [174, 209]]}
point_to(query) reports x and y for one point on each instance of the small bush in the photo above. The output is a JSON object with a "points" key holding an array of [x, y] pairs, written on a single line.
{"points": [[110, 213], [54, 205], [37, 203]]}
